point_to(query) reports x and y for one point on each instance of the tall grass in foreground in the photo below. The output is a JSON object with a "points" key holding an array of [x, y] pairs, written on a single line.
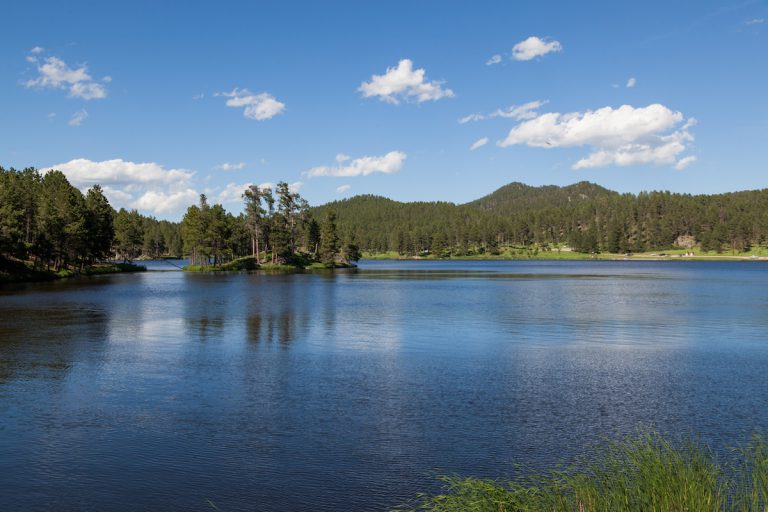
{"points": [[641, 473]]}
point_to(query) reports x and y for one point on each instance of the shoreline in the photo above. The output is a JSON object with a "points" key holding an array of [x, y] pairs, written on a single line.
{"points": [[12, 272], [571, 256]]}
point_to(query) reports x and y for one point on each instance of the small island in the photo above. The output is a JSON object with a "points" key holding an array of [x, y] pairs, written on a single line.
{"points": [[282, 237]]}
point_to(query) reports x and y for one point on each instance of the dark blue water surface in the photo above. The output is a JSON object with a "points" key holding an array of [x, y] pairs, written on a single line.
{"points": [[352, 390]]}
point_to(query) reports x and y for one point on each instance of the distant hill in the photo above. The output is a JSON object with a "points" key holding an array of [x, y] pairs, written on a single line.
{"points": [[518, 197], [380, 224]]}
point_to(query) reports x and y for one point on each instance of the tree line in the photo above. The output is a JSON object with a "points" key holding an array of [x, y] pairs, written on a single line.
{"points": [[584, 216], [46, 220]]}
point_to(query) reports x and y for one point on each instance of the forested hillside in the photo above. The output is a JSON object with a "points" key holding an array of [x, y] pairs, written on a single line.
{"points": [[519, 197], [584, 216]]}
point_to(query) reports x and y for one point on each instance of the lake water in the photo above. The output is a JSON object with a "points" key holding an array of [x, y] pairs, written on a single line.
{"points": [[351, 390]]}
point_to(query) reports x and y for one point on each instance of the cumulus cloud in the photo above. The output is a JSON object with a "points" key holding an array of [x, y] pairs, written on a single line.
{"points": [[232, 193], [78, 117], [54, 73], [160, 202], [403, 83], [756, 21], [226, 166], [622, 136], [146, 186], [37, 49], [684, 162], [343, 188], [260, 106], [631, 82], [390, 163], [479, 143], [495, 59], [516, 112], [534, 47]]}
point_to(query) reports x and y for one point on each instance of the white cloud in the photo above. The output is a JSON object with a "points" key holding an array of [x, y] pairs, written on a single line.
{"points": [[471, 118], [534, 47], [37, 49], [293, 187], [622, 136], [147, 186], [107, 79], [479, 143], [631, 82], [197, 97], [341, 157], [260, 106], [756, 21], [78, 117], [516, 112], [404, 83], [226, 166], [684, 162], [343, 188], [495, 59], [390, 163], [54, 73], [233, 193], [520, 112], [159, 202]]}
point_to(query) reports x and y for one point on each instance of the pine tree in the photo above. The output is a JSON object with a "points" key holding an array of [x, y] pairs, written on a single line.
{"points": [[100, 224], [329, 241]]}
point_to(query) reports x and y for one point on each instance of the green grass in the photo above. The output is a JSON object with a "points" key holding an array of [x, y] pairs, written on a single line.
{"points": [[113, 268], [279, 267], [238, 265], [506, 254], [524, 253], [640, 473]]}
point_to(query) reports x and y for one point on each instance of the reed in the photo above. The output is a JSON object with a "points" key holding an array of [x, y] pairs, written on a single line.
{"points": [[643, 472]]}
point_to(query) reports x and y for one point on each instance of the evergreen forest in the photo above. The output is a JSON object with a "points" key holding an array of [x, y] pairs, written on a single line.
{"points": [[52, 224]]}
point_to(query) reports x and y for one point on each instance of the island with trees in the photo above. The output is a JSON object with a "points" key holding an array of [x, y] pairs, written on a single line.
{"points": [[275, 231]]}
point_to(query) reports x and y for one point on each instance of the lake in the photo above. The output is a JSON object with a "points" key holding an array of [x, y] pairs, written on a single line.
{"points": [[352, 390]]}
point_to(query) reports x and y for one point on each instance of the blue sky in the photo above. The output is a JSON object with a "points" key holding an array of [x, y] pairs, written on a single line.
{"points": [[345, 98]]}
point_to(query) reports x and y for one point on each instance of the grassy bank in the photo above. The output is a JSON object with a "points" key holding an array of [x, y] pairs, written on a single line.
{"points": [[644, 472], [760, 254], [17, 271], [249, 263], [246, 263]]}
